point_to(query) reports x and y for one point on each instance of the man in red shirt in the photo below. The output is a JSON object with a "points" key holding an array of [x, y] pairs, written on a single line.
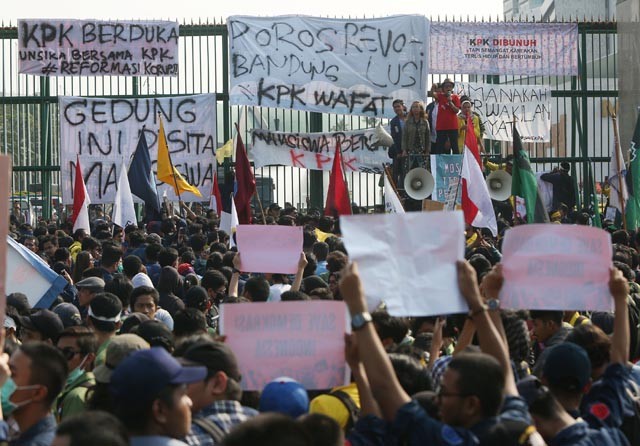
{"points": [[448, 105]]}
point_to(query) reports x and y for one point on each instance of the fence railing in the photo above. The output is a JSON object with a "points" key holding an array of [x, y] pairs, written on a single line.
{"points": [[29, 117]]}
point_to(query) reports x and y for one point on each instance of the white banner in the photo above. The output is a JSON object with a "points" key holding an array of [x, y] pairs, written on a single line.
{"points": [[497, 106], [531, 49], [360, 151], [344, 66], [67, 47], [104, 131]]}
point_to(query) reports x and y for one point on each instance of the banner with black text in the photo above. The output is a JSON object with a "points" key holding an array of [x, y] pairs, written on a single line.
{"points": [[67, 47], [360, 150], [498, 105], [344, 66], [104, 131], [508, 48]]}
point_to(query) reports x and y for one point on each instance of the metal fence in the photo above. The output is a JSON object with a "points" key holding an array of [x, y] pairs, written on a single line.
{"points": [[29, 127]]}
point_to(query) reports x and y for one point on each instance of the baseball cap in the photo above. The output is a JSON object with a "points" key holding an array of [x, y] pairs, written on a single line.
{"points": [[91, 283], [141, 376], [20, 302], [215, 356], [68, 314], [45, 322], [155, 333], [132, 321], [284, 395], [567, 365], [9, 322], [118, 349], [332, 407], [185, 268]]}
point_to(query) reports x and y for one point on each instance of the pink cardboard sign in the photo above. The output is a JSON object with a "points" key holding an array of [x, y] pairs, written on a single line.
{"points": [[269, 248], [556, 267], [5, 178], [300, 340]]}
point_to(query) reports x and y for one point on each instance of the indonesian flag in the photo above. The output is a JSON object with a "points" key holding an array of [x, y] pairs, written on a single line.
{"points": [[215, 203], [81, 202], [476, 202]]}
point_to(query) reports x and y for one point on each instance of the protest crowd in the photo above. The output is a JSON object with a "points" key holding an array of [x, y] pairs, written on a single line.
{"points": [[135, 347], [130, 352]]}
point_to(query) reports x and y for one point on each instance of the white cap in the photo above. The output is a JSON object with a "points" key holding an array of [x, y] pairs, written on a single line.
{"points": [[141, 279]]}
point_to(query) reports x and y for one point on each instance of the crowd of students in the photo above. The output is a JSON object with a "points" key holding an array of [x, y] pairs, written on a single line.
{"points": [[130, 352]]}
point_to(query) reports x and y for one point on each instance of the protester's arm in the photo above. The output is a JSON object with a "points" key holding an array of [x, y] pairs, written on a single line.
{"points": [[490, 340], [368, 404], [302, 264], [466, 336], [620, 339], [385, 386], [436, 342], [235, 277], [190, 214]]}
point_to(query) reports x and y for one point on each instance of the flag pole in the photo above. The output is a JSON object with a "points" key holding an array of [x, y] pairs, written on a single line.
{"points": [[173, 172], [616, 144]]}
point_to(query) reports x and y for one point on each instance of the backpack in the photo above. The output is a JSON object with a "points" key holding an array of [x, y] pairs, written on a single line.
{"points": [[631, 425], [352, 408], [211, 428]]}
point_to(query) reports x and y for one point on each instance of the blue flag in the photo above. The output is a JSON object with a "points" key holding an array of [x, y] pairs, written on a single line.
{"points": [[142, 181]]}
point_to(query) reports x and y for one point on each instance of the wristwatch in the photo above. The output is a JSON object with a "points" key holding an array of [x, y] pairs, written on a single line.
{"points": [[359, 320], [493, 304]]}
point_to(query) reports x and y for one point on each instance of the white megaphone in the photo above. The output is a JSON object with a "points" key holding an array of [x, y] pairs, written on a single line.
{"points": [[499, 185], [418, 183], [383, 138]]}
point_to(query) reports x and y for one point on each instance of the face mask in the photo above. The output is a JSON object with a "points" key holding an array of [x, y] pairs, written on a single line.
{"points": [[76, 373], [8, 389], [119, 269]]}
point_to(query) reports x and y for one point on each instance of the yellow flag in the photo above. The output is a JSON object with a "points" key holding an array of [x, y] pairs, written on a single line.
{"points": [[169, 174], [224, 151]]}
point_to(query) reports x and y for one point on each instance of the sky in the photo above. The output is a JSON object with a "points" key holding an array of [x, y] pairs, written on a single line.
{"points": [[202, 9]]}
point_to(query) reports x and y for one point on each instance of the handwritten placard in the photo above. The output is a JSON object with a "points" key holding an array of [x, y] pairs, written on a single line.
{"points": [[360, 151], [556, 267], [498, 105], [269, 248], [301, 340], [105, 131], [5, 179], [49, 47], [344, 66], [420, 279]]}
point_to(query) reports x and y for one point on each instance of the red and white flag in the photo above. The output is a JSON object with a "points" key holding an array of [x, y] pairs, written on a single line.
{"points": [[215, 203], [476, 201], [81, 202]]}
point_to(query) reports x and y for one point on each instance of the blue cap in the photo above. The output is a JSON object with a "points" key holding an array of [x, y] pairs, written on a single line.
{"points": [[286, 396], [141, 377], [567, 365]]}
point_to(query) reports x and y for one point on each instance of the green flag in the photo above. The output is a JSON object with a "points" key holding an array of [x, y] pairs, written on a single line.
{"points": [[633, 181], [524, 183]]}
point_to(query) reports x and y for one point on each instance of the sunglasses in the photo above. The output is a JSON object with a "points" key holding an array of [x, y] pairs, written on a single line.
{"points": [[68, 352]]}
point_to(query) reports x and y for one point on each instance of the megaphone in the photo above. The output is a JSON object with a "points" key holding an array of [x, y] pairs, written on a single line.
{"points": [[499, 185], [418, 183], [383, 138]]}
